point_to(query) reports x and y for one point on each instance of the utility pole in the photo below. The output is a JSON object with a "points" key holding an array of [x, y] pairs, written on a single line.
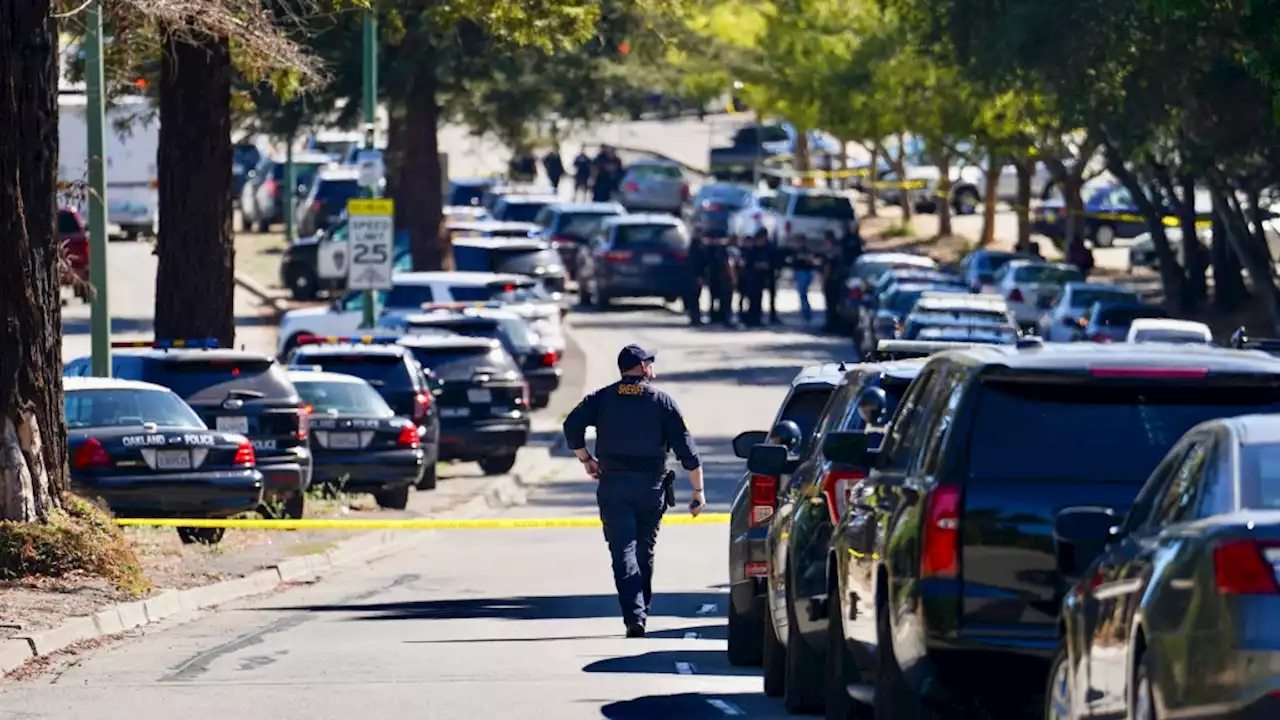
{"points": [[290, 193], [370, 131], [99, 314]]}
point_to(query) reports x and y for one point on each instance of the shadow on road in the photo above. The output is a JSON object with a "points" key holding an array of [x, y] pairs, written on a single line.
{"points": [[778, 375], [704, 632], [671, 662], [691, 706], [547, 607]]}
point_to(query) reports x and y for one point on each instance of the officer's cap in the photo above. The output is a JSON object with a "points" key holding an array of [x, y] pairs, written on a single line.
{"points": [[632, 356]]}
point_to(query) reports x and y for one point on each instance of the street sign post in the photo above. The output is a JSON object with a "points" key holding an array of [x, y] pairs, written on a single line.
{"points": [[371, 237]]}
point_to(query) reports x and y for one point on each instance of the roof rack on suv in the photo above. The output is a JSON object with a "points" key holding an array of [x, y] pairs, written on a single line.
{"points": [[1240, 340]]}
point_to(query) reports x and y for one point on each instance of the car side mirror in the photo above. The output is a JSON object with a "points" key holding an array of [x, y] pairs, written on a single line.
{"points": [[767, 460], [1081, 533], [847, 448], [743, 443]]}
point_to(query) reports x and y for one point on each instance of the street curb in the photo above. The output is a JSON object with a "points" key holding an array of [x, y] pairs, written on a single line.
{"points": [[180, 605]]}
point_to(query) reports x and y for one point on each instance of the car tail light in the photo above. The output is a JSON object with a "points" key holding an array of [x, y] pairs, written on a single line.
{"points": [[684, 192], [836, 486], [271, 185], [941, 542], [1240, 568], [524, 394], [245, 456], [709, 206], [421, 404], [409, 437], [1100, 338], [756, 569], [855, 293], [764, 494], [549, 358], [617, 256], [304, 421], [631, 187], [90, 455], [786, 228], [1015, 296]]}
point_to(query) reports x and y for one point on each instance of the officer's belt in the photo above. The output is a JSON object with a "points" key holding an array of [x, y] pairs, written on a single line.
{"points": [[632, 463]]}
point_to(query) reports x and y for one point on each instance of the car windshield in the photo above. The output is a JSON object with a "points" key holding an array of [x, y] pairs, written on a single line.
{"points": [[722, 195], [1177, 337], [1052, 274], [650, 236], [459, 364], [337, 192], [1086, 298], [830, 207], [1125, 315], [869, 271], [407, 296], [500, 292], [347, 398], [657, 172], [520, 212], [128, 407], [900, 302], [213, 380], [580, 226], [804, 408], [1029, 431], [380, 370]]}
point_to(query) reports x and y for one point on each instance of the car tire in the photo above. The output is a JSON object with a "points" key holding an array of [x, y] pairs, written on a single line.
{"points": [[1144, 701], [773, 660], [601, 299], [295, 507], [264, 225], [841, 669], [540, 401], [803, 688], [303, 285], [1057, 694], [894, 699], [245, 224], [1104, 236], [746, 639], [498, 464], [966, 201], [201, 535], [429, 477], [396, 498]]}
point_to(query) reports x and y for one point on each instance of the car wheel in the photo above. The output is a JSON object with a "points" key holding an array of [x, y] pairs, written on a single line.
{"points": [[540, 401], [804, 667], [746, 639], [894, 700], [429, 477], [498, 464], [393, 499], [1104, 236], [1144, 701], [966, 202], [295, 507], [201, 536], [585, 298], [264, 225], [1057, 696], [302, 286], [245, 224], [773, 659], [601, 300]]}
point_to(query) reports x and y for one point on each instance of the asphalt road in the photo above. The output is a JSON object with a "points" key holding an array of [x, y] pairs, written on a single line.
{"points": [[484, 623]]}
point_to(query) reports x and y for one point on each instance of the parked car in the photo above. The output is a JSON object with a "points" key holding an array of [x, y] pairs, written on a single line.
{"points": [[533, 257], [264, 200], [653, 186], [1167, 330], [866, 270], [570, 226], [521, 208], [714, 205], [979, 267], [1109, 320], [756, 214], [1110, 213], [73, 234], [636, 256], [1031, 286], [885, 318], [1067, 314], [811, 212], [325, 203]]}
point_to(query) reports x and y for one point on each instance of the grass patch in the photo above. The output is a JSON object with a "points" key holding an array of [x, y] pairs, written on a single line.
{"points": [[898, 230], [259, 256], [80, 538]]}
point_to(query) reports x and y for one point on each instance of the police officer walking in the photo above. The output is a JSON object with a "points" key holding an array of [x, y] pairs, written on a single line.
{"points": [[636, 424]]}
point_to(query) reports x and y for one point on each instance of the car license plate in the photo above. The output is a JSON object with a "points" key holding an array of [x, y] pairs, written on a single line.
{"points": [[480, 396], [173, 460], [454, 412], [344, 441], [233, 424], [651, 259]]}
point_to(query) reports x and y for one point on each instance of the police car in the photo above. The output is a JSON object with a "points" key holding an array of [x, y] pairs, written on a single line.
{"points": [[358, 441], [408, 293], [146, 453], [234, 391], [538, 361], [484, 399], [407, 387]]}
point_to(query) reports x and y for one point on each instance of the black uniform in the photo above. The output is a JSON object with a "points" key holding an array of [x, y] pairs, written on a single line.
{"points": [[757, 269], [723, 258], [777, 259], [636, 424], [555, 168], [698, 265]]}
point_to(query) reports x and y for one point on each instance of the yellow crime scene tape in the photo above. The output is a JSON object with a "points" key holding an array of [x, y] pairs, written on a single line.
{"points": [[406, 524], [1168, 220]]}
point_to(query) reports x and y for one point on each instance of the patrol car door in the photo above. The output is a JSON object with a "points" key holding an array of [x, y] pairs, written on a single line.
{"points": [[343, 318]]}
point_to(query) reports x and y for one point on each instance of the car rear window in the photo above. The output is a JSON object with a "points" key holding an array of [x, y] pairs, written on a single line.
{"points": [[501, 292], [1178, 337], [662, 172], [121, 407], [454, 364], [580, 225], [343, 397], [804, 408], [1124, 316], [831, 207], [210, 380], [1046, 274], [871, 270], [668, 236], [409, 296], [379, 370], [1260, 477], [525, 261], [472, 259], [337, 191], [520, 212], [728, 196], [1094, 432], [1086, 298]]}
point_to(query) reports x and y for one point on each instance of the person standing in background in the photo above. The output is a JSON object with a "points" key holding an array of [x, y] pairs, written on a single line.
{"points": [[776, 257], [554, 168], [803, 266], [581, 176], [834, 271]]}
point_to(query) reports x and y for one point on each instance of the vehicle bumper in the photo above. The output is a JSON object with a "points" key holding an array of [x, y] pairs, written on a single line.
{"points": [[625, 287], [285, 475], [748, 597], [214, 494], [369, 471], [944, 670], [543, 382], [472, 442]]}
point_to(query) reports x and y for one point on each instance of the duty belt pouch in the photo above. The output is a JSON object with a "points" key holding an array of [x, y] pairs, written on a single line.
{"points": [[669, 487]]}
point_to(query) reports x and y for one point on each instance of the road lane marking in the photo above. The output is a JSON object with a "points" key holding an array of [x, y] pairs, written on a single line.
{"points": [[707, 609], [685, 668], [405, 524], [691, 636], [725, 706]]}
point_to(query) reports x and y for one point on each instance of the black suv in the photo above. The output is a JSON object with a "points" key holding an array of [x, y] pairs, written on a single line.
{"points": [[953, 554], [393, 371], [233, 391], [570, 227], [484, 400], [520, 256], [809, 506]]}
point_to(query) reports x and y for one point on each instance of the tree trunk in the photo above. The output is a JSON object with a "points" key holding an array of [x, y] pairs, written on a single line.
{"points": [[1023, 202], [1229, 292], [800, 161], [1073, 205], [942, 201], [873, 177], [989, 201], [33, 440], [900, 169], [394, 158], [195, 272], [420, 178], [1196, 290], [1172, 277]]}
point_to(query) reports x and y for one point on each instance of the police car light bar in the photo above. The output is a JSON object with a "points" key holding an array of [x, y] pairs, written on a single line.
{"points": [[206, 344], [347, 339]]}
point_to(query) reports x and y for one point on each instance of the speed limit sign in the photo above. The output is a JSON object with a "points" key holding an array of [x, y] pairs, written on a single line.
{"points": [[371, 234]]}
